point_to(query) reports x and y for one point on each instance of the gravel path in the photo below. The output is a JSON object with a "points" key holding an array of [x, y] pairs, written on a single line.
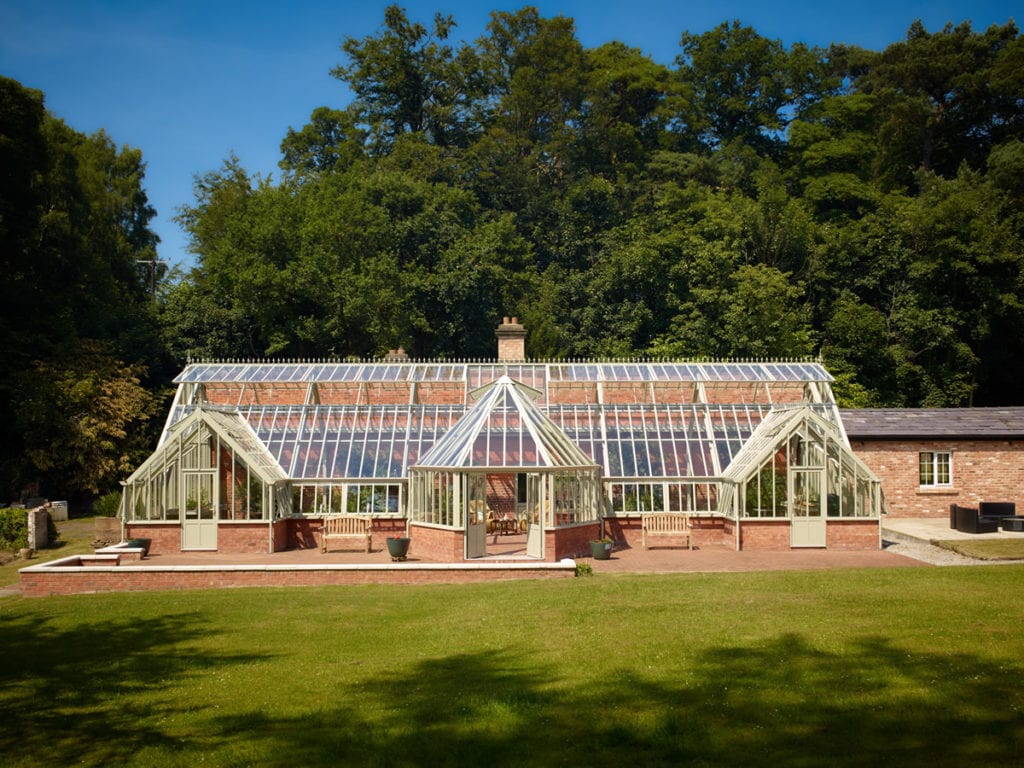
{"points": [[929, 553]]}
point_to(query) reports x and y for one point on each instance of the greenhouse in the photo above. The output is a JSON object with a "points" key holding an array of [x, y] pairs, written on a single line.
{"points": [[543, 456]]}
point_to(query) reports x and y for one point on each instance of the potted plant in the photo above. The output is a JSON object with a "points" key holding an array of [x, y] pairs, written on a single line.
{"points": [[601, 549], [398, 547], [142, 544]]}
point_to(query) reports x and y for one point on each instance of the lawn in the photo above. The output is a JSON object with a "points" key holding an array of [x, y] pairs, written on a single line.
{"points": [[75, 538], [909, 667], [986, 549]]}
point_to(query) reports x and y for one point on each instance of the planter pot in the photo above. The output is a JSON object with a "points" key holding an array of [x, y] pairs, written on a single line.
{"points": [[601, 550], [26, 553], [142, 544], [398, 547]]}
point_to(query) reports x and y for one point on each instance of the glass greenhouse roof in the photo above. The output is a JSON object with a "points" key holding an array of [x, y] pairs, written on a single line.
{"points": [[348, 442], [477, 374], [231, 426], [551, 414], [345, 442], [505, 429]]}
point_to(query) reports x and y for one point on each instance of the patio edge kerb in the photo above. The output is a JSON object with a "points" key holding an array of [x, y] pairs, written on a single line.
{"points": [[63, 565]]}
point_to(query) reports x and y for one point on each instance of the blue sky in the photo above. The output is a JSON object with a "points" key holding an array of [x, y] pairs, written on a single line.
{"points": [[191, 82]]}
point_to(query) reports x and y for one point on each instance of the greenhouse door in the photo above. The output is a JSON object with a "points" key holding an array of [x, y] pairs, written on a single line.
{"points": [[199, 525], [807, 517], [534, 516], [476, 518]]}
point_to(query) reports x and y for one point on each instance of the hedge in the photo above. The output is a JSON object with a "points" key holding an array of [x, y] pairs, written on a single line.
{"points": [[13, 529]]}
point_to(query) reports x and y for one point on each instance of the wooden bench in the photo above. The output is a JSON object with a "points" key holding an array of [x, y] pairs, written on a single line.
{"points": [[666, 524], [354, 528]]}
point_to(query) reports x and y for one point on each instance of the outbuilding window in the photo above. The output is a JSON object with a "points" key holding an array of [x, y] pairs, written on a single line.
{"points": [[935, 469]]}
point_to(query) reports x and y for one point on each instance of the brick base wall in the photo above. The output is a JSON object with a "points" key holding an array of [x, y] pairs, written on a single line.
{"points": [[853, 534], [114, 579], [440, 544], [244, 538], [982, 470], [765, 534], [850, 534], [280, 528], [164, 537], [570, 542]]}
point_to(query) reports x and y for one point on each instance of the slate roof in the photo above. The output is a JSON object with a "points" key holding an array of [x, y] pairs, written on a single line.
{"points": [[920, 423]]}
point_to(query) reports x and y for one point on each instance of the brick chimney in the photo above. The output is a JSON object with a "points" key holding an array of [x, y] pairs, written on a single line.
{"points": [[511, 340], [396, 356]]}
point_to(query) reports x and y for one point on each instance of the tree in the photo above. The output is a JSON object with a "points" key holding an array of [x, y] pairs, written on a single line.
{"points": [[745, 86], [407, 80], [84, 418], [331, 139], [625, 108], [74, 227], [535, 70], [946, 98]]}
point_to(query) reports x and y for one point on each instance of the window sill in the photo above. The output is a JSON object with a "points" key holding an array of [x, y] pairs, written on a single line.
{"points": [[938, 491]]}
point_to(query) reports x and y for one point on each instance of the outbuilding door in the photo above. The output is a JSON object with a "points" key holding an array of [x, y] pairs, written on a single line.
{"points": [[807, 515], [199, 522]]}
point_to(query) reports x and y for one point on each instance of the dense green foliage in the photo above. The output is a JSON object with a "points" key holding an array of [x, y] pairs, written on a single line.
{"points": [[78, 328], [13, 528], [748, 200], [884, 666], [108, 504], [745, 200]]}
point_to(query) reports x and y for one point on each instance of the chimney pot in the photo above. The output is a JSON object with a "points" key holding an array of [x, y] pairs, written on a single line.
{"points": [[511, 340]]}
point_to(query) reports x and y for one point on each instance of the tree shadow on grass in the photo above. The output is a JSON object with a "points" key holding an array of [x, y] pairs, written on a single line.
{"points": [[784, 703], [90, 694], [101, 694]]}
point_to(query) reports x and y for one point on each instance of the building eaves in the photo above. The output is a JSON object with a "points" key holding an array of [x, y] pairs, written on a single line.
{"points": [[926, 423]]}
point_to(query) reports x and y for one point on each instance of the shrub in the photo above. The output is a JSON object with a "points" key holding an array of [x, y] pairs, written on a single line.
{"points": [[108, 504], [52, 534], [13, 529]]}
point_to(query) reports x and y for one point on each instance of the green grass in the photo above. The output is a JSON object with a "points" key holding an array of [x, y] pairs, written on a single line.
{"points": [[986, 549], [75, 538], [908, 667]]}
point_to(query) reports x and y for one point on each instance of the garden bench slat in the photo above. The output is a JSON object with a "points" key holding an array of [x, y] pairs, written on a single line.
{"points": [[346, 528], [666, 524]]}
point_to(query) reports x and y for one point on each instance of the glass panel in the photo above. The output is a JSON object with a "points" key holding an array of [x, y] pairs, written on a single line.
{"points": [[806, 493], [926, 471], [255, 497], [833, 481]]}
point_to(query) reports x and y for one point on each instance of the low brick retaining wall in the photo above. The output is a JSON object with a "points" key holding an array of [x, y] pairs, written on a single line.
{"points": [[73, 575]]}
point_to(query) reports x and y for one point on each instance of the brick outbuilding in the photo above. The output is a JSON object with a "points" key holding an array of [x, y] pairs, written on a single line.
{"points": [[929, 458]]}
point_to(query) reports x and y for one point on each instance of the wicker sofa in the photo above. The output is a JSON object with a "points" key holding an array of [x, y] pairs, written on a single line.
{"points": [[985, 519], [969, 520]]}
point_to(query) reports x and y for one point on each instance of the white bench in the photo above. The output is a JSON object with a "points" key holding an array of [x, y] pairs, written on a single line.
{"points": [[666, 524], [353, 528]]}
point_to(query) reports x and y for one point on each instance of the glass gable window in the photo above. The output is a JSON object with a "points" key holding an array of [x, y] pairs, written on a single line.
{"points": [[936, 469], [796, 464], [210, 462]]}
